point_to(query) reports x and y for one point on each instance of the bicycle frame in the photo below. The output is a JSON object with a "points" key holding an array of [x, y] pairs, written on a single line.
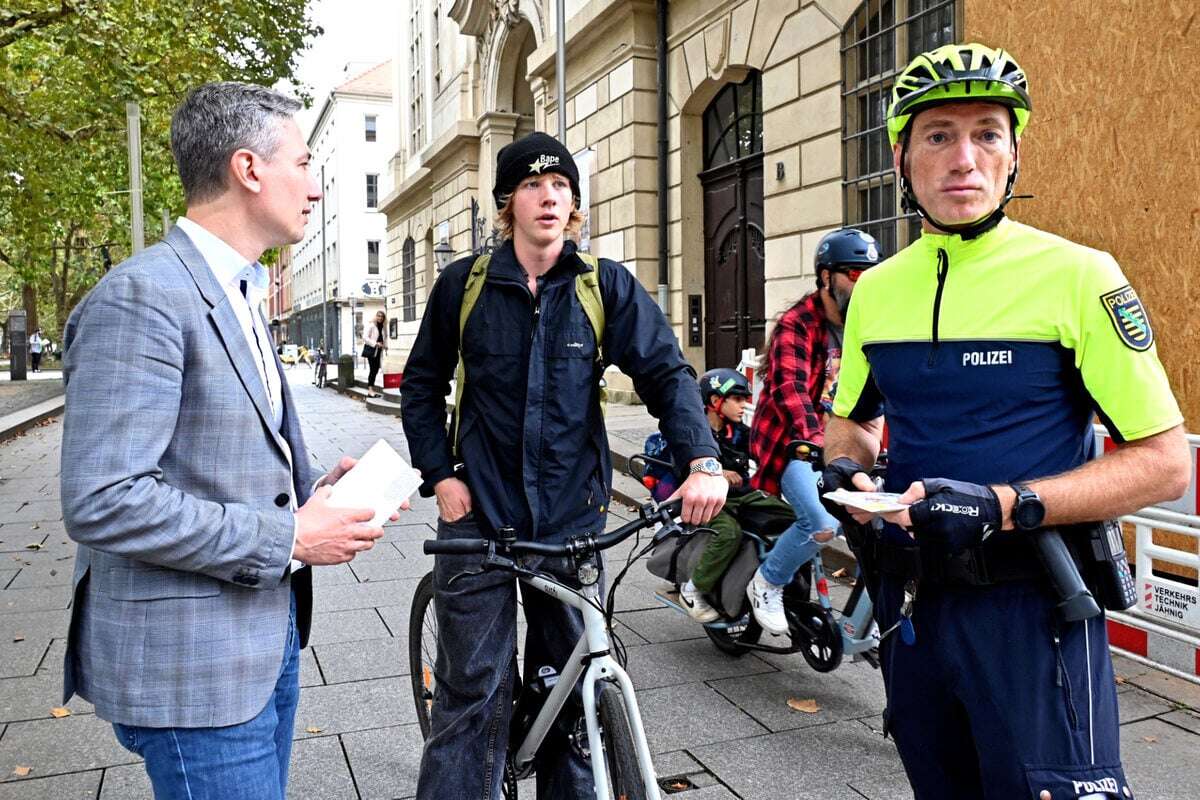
{"points": [[591, 660], [857, 627]]}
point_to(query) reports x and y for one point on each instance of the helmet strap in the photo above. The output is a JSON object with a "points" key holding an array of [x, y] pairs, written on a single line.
{"points": [[966, 231]]}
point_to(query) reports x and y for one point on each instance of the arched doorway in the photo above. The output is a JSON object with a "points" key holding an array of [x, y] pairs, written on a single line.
{"points": [[734, 257], [514, 94]]}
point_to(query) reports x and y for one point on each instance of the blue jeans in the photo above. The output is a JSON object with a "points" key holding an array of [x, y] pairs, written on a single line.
{"points": [[796, 546], [248, 761], [473, 702]]}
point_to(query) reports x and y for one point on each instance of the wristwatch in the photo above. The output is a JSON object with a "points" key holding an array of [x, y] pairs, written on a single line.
{"points": [[1028, 510], [709, 466]]}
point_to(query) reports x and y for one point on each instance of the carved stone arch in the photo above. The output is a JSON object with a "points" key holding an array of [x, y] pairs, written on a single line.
{"points": [[506, 87], [840, 13], [532, 11], [707, 89]]}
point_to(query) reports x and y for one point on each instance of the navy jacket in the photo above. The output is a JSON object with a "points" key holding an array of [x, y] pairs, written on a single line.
{"points": [[531, 436]]}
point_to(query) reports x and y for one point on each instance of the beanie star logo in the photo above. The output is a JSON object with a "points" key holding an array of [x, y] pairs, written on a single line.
{"points": [[542, 162]]}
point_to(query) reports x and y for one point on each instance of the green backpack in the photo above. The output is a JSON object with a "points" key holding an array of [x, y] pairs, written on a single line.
{"points": [[587, 289]]}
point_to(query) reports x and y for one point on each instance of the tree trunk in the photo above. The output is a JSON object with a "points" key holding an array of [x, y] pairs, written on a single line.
{"points": [[29, 300]]}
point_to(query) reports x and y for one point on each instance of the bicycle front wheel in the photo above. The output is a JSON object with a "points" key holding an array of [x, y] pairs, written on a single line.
{"points": [[620, 754], [422, 650]]}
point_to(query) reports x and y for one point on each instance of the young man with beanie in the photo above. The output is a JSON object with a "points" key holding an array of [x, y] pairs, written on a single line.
{"points": [[528, 452]]}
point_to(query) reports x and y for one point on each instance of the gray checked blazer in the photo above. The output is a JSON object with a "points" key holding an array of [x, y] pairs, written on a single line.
{"points": [[176, 487]]}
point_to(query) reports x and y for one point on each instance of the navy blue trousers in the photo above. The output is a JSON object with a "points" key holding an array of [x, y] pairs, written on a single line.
{"points": [[995, 699]]}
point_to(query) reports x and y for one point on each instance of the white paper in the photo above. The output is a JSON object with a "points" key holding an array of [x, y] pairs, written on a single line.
{"points": [[381, 480], [874, 502]]}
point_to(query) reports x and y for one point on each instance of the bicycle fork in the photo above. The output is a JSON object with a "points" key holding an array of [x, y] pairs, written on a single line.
{"points": [[591, 660]]}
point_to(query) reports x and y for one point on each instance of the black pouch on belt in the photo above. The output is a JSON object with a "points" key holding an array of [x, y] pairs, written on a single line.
{"points": [[1101, 552]]}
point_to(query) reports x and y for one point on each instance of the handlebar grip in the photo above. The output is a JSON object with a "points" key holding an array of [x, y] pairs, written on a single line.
{"points": [[1075, 601], [454, 547], [674, 508]]}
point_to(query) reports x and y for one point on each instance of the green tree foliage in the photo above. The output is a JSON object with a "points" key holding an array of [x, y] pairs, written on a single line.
{"points": [[67, 68]]}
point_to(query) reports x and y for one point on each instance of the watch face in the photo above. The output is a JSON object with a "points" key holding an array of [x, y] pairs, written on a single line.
{"points": [[709, 465], [1029, 512]]}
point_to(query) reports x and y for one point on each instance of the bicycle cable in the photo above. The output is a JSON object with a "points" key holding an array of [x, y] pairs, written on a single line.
{"points": [[609, 610]]}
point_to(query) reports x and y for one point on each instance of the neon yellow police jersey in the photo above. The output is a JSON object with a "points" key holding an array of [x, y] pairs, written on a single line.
{"points": [[995, 377]]}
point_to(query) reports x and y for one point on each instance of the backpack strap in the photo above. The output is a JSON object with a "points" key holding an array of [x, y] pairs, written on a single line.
{"points": [[474, 287], [587, 289]]}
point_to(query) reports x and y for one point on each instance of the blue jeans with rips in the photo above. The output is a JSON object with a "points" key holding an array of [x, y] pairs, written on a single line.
{"points": [[796, 546], [247, 761], [476, 668]]}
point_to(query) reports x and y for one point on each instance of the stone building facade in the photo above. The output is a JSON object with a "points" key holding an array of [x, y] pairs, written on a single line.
{"points": [[775, 135]]}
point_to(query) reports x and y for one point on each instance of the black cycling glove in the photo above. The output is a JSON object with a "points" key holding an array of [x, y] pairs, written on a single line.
{"points": [[955, 515], [838, 474]]}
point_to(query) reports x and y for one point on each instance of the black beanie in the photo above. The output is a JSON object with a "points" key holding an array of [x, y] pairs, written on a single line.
{"points": [[535, 154]]}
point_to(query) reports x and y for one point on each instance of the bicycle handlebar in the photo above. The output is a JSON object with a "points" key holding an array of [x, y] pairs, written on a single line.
{"points": [[650, 514]]}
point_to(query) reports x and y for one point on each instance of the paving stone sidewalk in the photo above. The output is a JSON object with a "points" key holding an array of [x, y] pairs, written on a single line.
{"points": [[723, 722], [19, 395]]}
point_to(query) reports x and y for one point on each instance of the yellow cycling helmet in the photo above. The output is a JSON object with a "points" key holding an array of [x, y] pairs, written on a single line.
{"points": [[958, 72]]}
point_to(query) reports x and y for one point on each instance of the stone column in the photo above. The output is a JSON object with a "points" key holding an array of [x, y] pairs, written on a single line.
{"points": [[496, 129]]}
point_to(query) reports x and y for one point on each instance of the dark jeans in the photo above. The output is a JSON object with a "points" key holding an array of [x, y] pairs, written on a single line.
{"points": [[248, 761], [373, 362], [472, 708]]}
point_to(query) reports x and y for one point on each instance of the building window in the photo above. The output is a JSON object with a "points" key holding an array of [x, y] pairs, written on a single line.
{"points": [[372, 191], [370, 128], [880, 38], [733, 123], [373, 257], [408, 281], [416, 87], [437, 53]]}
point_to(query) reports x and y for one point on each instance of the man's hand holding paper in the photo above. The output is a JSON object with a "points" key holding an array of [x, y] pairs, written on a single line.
{"points": [[345, 514]]}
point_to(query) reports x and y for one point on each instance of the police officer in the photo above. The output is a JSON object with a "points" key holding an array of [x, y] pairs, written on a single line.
{"points": [[529, 452], [991, 344]]}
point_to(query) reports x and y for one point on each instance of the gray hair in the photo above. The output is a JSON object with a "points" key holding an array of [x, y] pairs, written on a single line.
{"points": [[216, 120]]}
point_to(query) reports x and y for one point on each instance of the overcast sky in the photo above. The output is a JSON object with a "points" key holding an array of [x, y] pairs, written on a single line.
{"points": [[362, 31]]}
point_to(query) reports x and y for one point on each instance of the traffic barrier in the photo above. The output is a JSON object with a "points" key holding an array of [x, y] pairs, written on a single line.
{"points": [[1163, 629]]}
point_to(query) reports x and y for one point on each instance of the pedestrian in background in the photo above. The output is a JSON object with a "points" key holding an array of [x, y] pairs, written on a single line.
{"points": [[35, 350], [374, 346]]}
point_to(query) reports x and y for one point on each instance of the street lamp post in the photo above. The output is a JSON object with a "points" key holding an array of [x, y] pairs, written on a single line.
{"points": [[324, 280], [137, 223], [560, 69]]}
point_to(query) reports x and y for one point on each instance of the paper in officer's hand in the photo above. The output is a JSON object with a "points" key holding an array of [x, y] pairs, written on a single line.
{"points": [[381, 480], [872, 502]]}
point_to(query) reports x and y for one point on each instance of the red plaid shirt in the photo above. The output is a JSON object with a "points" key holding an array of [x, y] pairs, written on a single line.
{"points": [[793, 379]]}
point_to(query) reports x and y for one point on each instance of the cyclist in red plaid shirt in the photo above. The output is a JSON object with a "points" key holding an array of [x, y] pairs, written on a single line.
{"points": [[799, 378]]}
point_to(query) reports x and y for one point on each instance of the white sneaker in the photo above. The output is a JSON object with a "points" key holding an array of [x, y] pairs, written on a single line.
{"points": [[766, 603], [697, 607]]}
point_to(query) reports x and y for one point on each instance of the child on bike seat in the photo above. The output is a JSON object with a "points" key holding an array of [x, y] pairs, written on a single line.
{"points": [[725, 393]]}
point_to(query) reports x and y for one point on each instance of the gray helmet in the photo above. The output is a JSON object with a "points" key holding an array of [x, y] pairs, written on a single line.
{"points": [[723, 382]]}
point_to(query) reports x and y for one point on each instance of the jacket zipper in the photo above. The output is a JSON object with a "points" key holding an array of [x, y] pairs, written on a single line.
{"points": [[943, 268], [536, 301]]}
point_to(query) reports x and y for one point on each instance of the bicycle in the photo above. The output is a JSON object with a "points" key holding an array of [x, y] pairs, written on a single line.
{"points": [[820, 632], [612, 720]]}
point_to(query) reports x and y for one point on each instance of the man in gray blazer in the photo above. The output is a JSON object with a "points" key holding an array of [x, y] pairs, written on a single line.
{"points": [[185, 478]]}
